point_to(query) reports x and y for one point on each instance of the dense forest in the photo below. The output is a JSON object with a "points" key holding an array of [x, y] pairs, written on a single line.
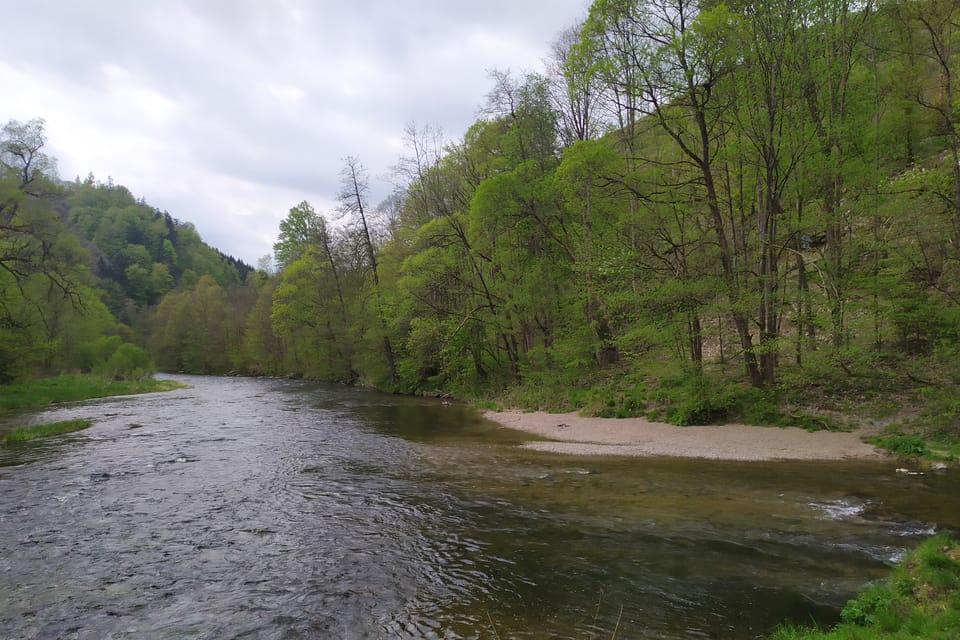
{"points": [[701, 210], [83, 265]]}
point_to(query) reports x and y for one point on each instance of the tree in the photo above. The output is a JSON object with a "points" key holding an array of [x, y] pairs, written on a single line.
{"points": [[354, 188], [33, 244], [668, 59], [448, 301], [297, 232], [574, 87], [262, 350], [192, 330], [939, 22], [21, 150]]}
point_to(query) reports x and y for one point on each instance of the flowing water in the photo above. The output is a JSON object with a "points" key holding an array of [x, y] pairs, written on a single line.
{"points": [[244, 508]]}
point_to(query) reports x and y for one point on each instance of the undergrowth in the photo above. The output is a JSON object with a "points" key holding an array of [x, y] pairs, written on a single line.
{"points": [[919, 600], [678, 398]]}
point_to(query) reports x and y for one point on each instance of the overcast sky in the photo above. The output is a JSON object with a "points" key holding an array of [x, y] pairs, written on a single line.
{"points": [[226, 113]]}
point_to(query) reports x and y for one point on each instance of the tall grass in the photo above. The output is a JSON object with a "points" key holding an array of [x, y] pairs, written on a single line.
{"points": [[34, 394], [24, 434]]}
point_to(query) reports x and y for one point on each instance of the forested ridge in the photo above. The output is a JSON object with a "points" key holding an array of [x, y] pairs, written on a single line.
{"points": [[701, 211], [83, 265]]}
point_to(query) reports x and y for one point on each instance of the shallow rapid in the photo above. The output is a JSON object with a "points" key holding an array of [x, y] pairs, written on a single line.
{"points": [[246, 508]]}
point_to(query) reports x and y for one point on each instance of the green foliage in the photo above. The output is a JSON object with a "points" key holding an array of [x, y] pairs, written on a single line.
{"points": [[25, 434], [297, 231], [695, 400], [941, 413], [905, 445], [127, 362], [765, 232], [919, 601], [38, 393], [488, 405], [143, 251], [872, 607], [194, 331]]}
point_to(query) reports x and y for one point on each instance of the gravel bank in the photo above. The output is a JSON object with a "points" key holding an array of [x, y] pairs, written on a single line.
{"points": [[578, 435]]}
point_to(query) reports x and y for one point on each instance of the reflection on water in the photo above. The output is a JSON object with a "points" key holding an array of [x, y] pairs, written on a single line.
{"points": [[275, 509]]}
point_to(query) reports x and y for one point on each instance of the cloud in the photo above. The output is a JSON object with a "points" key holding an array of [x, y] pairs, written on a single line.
{"points": [[228, 112]]}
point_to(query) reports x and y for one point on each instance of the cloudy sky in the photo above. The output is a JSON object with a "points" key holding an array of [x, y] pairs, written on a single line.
{"points": [[226, 113]]}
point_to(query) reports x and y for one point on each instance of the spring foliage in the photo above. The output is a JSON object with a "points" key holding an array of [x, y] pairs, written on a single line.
{"points": [[702, 210]]}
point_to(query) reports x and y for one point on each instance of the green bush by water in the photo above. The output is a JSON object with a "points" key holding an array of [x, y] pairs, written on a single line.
{"points": [[677, 397], [904, 445], [920, 600], [127, 362]]}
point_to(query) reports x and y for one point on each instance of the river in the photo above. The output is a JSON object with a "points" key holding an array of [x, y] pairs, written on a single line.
{"points": [[250, 508]]}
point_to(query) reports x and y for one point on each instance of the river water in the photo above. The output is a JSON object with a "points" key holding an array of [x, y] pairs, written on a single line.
{"points": [[245, 508]]}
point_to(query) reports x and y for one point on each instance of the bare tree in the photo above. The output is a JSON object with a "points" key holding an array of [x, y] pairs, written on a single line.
{"points": [[574, 87], [21, 150], [354, 191]]}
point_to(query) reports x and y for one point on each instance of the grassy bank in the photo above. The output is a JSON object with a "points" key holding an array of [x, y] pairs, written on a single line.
{"points": [[39, 393], [920, 600], [23, 434]]}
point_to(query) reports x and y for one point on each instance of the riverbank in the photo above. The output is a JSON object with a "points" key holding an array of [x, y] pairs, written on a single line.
{"points": [[574, 434], [32, 432], [918, 601], [42, 392]]}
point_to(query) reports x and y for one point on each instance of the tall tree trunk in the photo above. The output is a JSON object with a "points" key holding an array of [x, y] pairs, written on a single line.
{"points": [[352, 198]]}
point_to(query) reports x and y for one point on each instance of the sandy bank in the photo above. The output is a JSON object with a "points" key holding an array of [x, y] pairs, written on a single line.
{"points": [[578, 435]]}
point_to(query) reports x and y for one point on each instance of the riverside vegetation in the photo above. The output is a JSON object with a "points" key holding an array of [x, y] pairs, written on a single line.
{"points": [[39, 393], [921, 599], [25, 434], [700, 212]]}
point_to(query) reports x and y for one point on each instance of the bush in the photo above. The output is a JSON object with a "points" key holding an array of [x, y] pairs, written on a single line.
{"points": [[98, 351], [941, 414], [908, 446], [128, 362], [920, 600], [869, 607], [695, 400]]}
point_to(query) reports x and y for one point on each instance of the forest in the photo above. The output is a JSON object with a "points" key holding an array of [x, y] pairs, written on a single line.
{"points": [[701, 211]]}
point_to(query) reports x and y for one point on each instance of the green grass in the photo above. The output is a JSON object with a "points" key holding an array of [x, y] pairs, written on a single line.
{"points": [[920, 600], [941, 449], [902, 444], [39, 393], [488, 405], [917, 446], [23, 434]]}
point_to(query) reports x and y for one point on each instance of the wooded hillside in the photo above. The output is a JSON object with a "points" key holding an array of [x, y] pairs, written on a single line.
{"points": [[703, 210]]}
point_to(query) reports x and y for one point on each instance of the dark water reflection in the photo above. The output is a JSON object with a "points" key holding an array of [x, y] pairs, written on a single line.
{"points": [[275, 509]]}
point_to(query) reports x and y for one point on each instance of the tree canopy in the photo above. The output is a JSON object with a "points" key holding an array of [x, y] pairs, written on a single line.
{"points": [[699, 202]]}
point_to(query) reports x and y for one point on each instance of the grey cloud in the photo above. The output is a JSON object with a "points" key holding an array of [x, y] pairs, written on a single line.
{"points": [[264, 98]]}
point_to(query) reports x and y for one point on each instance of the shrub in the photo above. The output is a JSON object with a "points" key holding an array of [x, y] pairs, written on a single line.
{"points": [[128, 362], [869, 607], [902, 444], [920, 600], [696, 400]]}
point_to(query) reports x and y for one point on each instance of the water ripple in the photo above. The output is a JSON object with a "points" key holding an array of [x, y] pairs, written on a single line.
{"points": [[281, 509]]}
